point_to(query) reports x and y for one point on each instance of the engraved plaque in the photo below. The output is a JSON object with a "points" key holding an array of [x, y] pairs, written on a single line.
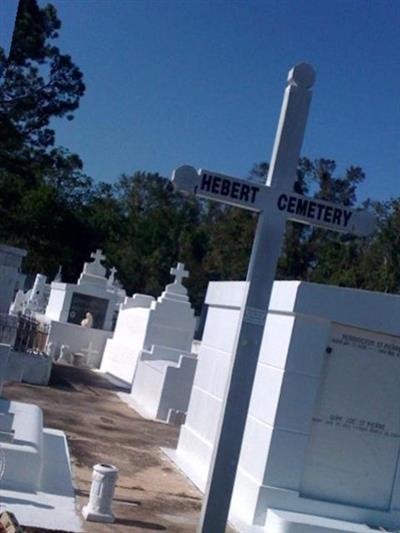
{"points": [[355, 432]]}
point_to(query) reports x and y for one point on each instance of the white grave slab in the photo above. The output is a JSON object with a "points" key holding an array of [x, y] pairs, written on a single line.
{"points": [[322, 436], [36, 484]]}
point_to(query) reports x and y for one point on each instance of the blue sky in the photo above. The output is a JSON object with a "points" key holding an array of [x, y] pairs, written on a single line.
{"points": [[172, 82]]}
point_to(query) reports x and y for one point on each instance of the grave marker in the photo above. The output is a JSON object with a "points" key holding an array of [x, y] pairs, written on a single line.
{"points": [[275, 202]]}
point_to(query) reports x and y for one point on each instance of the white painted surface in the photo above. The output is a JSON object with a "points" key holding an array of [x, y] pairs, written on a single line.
{"points": [[161, 385], [79, 340], [151, 325], [137, 300], [52, 505], [122, 351], [286, 522], [275, 470], [98, 509]]}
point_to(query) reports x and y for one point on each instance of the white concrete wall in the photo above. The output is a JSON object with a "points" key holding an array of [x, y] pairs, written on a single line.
{"points": [[23, 456], [171, 323], [79, 338], [292, 358], [159, 386], [122, 351]]}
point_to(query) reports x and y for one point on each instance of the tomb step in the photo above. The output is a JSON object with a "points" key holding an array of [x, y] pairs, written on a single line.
{"points": [[290, 522]]}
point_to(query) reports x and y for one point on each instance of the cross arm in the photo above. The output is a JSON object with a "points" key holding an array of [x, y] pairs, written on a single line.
{"points": [[215, 186]]}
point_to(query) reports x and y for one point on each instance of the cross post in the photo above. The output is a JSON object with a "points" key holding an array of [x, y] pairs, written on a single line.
{"points": [[275, 202]]}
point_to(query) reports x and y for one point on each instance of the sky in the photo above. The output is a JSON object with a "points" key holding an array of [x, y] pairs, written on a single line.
{"points": [[200, 82]]}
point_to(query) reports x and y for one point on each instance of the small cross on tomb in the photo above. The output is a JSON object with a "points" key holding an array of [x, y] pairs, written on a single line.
{"points": [[90, 352], [96, 268], [98, 256], [179, 272], [111, 278]]}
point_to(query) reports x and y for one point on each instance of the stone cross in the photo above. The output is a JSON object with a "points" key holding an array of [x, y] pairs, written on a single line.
{"points": [[90, 351], [275, 202], [111, 279], [179, 272], [98, 256], [95, 268]]}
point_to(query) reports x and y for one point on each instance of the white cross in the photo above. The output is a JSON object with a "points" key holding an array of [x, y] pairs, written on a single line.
{"points": [[89, 351], [98, 256], [111, 279], [179, 272], [275, 202]]}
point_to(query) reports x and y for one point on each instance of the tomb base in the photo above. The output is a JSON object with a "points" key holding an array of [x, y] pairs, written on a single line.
{"points": [[287, 522], [160, 386], [92, 516]]}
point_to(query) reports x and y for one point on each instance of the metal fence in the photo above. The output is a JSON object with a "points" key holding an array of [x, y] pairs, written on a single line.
{"points": [[8, 329], [24, 333], [31, 335]]}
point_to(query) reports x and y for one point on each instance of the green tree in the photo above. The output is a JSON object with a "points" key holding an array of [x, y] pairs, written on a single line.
{"points": [[42, 187]]}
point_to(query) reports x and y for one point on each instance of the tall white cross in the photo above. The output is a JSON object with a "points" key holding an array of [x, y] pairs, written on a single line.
{"points": [[275, 202], [179, 272]]}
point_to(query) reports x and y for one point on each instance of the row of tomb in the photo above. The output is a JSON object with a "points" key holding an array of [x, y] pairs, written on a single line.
{"points": [[322, 440]]}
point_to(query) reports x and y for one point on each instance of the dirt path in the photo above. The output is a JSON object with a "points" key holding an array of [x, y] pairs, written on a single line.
{"points": [[151, 495]]}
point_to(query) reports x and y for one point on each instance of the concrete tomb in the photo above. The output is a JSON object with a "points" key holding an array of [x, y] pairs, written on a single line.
{"points": [[33, 301], [82, 315], [151, 349], [35, 472], [165, 368], [322, 440], [69, 302]]}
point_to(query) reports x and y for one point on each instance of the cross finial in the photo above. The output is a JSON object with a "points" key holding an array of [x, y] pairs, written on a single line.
{"points": [[98, 256], [179, 272], [111, 278]]}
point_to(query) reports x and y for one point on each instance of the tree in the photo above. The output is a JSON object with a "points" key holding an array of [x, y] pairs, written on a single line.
{"points": [[42, 187]]}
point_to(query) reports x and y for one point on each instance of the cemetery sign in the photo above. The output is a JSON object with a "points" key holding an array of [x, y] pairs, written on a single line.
{"points": [[275, 203], [256, 197]]}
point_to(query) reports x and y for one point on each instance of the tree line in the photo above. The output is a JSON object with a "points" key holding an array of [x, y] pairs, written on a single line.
{"points": [[49, 206]]}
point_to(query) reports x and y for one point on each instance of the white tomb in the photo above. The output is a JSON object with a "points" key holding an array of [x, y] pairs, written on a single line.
{"points": [[151, 349], [164, 372], [322, 440], [69, 302], [35, 472], [34, 300]]}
